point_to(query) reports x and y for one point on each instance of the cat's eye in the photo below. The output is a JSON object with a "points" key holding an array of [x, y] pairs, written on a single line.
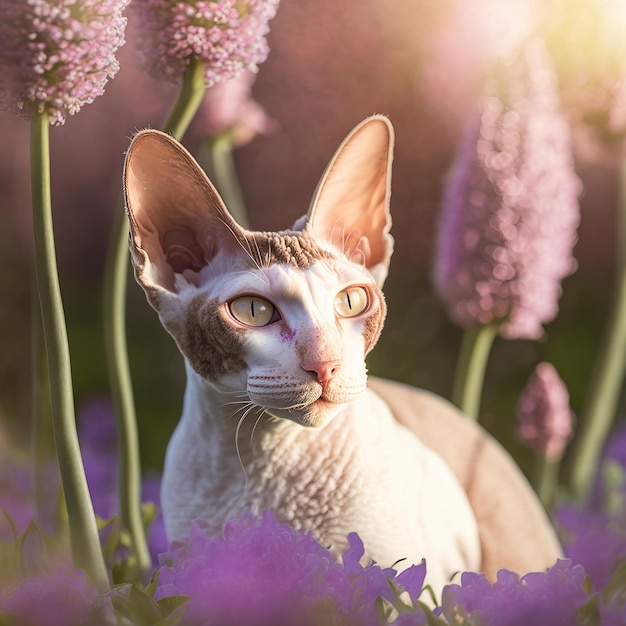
{"points": [[351, 301], [253, 311]]}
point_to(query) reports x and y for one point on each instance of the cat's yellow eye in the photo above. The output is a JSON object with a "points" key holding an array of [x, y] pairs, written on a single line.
{"points": [[253, 311], [351, 301]]}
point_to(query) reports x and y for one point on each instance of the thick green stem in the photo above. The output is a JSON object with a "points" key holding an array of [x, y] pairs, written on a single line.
{"points": [[470, 370], [116, 274], [42, 434], [85, 541], [224, 175], [545, 479], [189, 99], [129, 486], [604, 390]]}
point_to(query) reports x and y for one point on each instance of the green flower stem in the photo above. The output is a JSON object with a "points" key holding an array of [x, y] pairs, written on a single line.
{"points": [[189, 99], [116, 275], [224, 174], [470, 369], [42, 435], [85, 541], [604, 390], [545, 478]]}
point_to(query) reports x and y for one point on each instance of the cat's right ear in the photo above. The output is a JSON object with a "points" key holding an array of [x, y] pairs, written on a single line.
{"points": [[178, 221]]}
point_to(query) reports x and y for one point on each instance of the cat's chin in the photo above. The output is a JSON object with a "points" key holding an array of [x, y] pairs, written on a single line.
{"points": [[315, 415]]}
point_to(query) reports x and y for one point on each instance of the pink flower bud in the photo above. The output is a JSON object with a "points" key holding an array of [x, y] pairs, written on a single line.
{"points": [[544, 417], [510, 212], [229, 107]]}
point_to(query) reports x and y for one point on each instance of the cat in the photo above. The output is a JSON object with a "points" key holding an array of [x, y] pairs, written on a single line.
{"points": [[278, 411]]}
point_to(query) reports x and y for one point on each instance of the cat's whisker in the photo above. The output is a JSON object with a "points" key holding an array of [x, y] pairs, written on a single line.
{"points": [[262, 412]]}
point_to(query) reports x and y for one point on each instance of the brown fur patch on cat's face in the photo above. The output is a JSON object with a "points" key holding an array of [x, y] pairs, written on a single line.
{"points": [[212, 346], [374, 323]]}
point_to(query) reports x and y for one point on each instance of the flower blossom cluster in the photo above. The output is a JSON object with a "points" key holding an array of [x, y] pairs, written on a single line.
{"points": [[288, 578], [594, 534], [59, 598], [57, 55], [510, 213], [551, 597], [226, 36], [544, 417]]}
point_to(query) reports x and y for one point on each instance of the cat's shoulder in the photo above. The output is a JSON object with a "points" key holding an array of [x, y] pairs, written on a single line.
{"points": [[465, 446]]}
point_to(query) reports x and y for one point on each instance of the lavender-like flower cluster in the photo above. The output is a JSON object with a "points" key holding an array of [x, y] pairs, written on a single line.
{"points": [[551, 597], [226, 36], [288, 578], [510, 211], [57, 55]]}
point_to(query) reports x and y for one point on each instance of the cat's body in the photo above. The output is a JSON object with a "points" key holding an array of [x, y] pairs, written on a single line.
{"points": [[274, 328]]}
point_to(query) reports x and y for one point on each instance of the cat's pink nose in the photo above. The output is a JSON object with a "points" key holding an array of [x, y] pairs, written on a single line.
{"points": [[325, 370]]}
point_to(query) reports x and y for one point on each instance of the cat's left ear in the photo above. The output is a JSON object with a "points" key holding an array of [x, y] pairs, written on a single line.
{"points": [[350, 207]]}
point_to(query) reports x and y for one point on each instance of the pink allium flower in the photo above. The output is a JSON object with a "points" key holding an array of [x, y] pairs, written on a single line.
{"points": [[510, 212], [57, 55], [544, 417], [229, 107], [551, 597], [227, 36]]}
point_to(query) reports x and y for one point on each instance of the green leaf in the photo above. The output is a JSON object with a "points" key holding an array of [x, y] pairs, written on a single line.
{"points": [[431, 618], [588, 614], [169, 604], [614, 590]]}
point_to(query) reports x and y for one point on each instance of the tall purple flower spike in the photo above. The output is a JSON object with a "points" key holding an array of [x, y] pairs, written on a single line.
{"points": [[57, 55], [544, 417], [510, 212], [226, 36]]}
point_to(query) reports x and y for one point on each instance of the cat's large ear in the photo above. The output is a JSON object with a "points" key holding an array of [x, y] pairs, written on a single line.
{"points": [[178, 220], [350, 207]]}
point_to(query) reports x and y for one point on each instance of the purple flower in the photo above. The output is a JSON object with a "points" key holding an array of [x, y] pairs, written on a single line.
{"points": [[551, 597], [226, 36], [56, 599], [288, 578], [57, 55], [593, 538], [594, 534], [510, 210], [544, 417]]}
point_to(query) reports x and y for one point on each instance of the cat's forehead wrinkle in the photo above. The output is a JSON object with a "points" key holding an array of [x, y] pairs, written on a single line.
{"points": [[293, 248]]}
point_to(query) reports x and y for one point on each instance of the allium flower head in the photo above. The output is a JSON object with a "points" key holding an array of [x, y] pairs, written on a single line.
{"points": [[510, 212], [544, 417], [226, 36], [57, 55], [266, 573], [550, 597]]}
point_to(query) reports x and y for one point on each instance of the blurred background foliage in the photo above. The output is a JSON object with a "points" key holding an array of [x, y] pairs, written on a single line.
{"points": [[332, 63]]}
